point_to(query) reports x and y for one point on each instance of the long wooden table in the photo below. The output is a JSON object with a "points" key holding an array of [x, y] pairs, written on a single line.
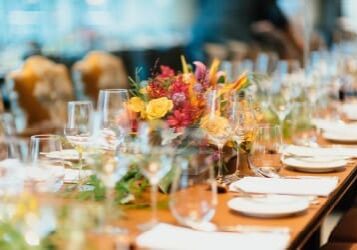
{"points": [[302, 226]]}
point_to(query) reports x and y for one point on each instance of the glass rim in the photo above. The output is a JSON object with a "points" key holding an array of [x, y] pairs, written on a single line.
{"points": [[113, 90], [80, 102], [44, 136]]}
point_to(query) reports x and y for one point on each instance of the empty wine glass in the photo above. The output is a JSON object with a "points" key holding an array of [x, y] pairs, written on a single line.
{"points": [[110, 167], [45, 173], [154, 154], [216, 126], [280, 100], [244, 127], [193, 196], [78, 129], [264, 157], [114, 117]]}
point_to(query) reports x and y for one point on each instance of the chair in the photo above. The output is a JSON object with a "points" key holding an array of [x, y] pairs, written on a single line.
{"points": [[39, 91], [98, 70]]}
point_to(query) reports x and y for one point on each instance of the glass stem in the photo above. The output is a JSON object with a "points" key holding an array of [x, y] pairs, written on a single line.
{"points": [[109, 203], [80, 155], [237, 162], [154, 202], [220, 166]]}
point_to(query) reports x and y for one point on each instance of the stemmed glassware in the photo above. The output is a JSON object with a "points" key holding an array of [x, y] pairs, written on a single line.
{"points": [[280, 100], [114, 121], [265, 156], [154, 154], [216, 126], [78, 129], [244, 127]]}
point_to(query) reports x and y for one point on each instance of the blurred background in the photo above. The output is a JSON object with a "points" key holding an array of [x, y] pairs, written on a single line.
{"points": [[142, 31], [94, 44]]}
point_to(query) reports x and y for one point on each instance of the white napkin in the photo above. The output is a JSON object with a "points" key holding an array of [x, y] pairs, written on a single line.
{"points": [[165, 236], [308, 186], [71, 175], [350, 111], [335, 126], [338, 152]]}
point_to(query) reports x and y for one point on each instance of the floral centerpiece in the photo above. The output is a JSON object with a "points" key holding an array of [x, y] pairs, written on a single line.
{"points": [[178, 99]]}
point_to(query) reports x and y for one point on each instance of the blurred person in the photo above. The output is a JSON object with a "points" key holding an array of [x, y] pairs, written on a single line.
{"points": [[250, 21]]}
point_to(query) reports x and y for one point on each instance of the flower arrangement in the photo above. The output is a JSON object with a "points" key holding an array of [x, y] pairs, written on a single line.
{"points": [[179, 97]]}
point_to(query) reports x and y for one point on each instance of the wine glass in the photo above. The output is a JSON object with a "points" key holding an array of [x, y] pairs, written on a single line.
{"points": [[154, 154], [193, 196], [45, 173], [244, 127], [7, 124], [78, 129], [303, 132], [110, 166], [264, 157], [280, 102], [114, 117], [216, 126]]}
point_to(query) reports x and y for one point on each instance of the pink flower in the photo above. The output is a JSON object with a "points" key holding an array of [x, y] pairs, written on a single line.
{"points": [[166, 71], [201, 72]]}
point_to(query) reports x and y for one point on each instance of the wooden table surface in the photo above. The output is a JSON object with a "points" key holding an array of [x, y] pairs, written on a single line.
{"points": [[302, 226]]}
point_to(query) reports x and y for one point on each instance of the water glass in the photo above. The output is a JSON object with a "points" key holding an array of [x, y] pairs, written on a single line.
{"points": [[264, 157], [45, 173], [193, 196]]}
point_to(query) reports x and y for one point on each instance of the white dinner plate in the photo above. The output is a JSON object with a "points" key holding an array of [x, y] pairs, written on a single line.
{"points": [[65, 154], [315, 164], [269, 206], [347, 136]]}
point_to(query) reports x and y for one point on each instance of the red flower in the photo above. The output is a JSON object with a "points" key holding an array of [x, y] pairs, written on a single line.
{"points": [[179, 118], [166, 71], [157, 89], [179, 86]]}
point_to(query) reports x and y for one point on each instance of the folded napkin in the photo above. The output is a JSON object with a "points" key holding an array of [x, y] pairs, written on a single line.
{"points": [[335, 126], [165, 236], [350, 111], [338, 152], [309, 186]]}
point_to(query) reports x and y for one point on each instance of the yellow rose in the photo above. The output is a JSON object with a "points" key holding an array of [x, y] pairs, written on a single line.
{"points": [[136, 104], [217, 125], [143, 91], [158, 108]]}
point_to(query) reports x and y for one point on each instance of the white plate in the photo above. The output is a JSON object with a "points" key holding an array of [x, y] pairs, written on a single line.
{"points": [[340, 136], [65, 154], [315, 164], [269, 206]]}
